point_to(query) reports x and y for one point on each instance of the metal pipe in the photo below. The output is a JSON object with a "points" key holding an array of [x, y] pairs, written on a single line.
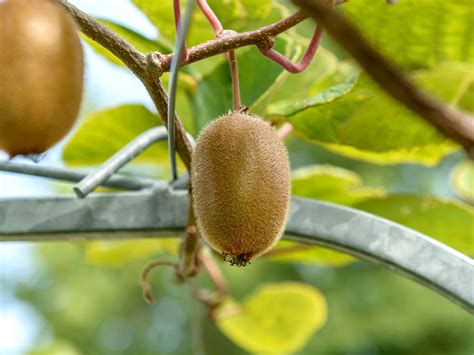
{"points": [[63, 174], [164, 211], [89, 183], [173, 83], [119, 159]]}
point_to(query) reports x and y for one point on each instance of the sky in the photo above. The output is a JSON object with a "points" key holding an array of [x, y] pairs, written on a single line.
{"points": [[106, 85]]}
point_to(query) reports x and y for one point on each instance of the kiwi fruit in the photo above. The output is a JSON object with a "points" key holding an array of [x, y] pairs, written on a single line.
{"points": [[240, 186], [41, 75]]}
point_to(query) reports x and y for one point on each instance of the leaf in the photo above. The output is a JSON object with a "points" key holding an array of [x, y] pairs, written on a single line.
{"points": [[333, 184], [245, 15], [451, 223], [160, 13], [58, 347], [137, 40], [463, 180], [291, 107], [287, 251], [278, 318], [417, 33], [103, 133], [327, 183], [324, 72], [118, 253], [236, 15], [369, 125]]}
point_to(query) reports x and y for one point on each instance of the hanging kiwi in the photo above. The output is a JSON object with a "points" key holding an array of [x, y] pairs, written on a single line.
{"points": [[41, 75], [240, 186]]}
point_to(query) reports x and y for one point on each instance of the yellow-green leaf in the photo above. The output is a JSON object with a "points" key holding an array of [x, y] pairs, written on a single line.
{"points": [[278, 318], [327, 183], [118, 253], [417, 33], [450, 222], [324, 73], [103, 133], [332, 184], [58, 347], [463, 180], [287, 251], [369, 125]]}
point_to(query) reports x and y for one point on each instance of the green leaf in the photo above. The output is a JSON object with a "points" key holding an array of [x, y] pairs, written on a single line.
{"points": [[449, 222], [58, 347], [103, 133], [279, 318], [332, 184], [236, 15], [287, 251], [327, 183], [137, 40], [160, 13], [463, 180], [118, 253], [324, 72], [245, 15], [417, 33], [291, 107], [367, 124]]}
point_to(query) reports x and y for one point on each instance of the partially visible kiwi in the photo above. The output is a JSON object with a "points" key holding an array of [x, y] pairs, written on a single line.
{"points": [[241, 186], [41, 75]]}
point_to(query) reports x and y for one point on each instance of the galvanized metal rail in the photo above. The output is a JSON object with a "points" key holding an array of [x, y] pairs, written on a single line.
{"points": [[162, 211]]}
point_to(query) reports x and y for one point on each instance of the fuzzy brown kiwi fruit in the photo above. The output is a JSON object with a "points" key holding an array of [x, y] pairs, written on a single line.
{"points": [[41, 75], [240, 186]]}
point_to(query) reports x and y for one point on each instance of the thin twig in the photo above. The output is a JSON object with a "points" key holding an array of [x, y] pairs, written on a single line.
{"points": [[225, 44], [453, 123], [211, 16], [285, 130], [145, 284], [234, 73], [231, 56], [190, 245], [197, 335], [179, 27], [286, 63], [215, 274], [262, 37]]}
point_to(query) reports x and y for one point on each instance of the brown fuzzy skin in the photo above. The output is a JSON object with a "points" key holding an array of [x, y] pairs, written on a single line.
{"points": [[241, 186], [41, 75]]}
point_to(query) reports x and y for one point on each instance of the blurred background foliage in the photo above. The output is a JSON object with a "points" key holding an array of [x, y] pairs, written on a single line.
{"points": [[352, 145]]}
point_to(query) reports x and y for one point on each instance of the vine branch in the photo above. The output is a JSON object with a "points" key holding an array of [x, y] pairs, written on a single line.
{"points": [[143, 66], [261, 37], [108, 39], [453, 123]]}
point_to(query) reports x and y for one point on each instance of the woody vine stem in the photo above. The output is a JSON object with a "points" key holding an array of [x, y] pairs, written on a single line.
{"points": [[148, 68]]}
